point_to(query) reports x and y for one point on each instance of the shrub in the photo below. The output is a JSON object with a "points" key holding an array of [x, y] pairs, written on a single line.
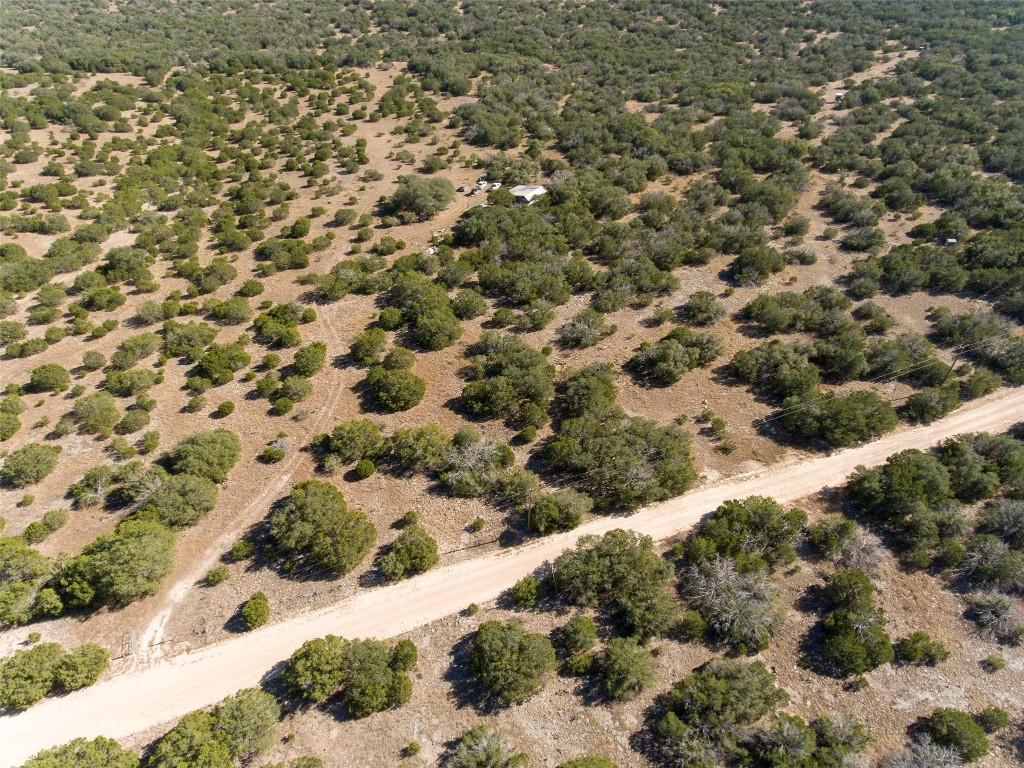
{"points": [[720, 699], [584, 330], [589, 761], [314, 521], [310, 358], [120, 567], [81, 667], [217, 575], [100, 752], [250, 288], [525, 592], [483, 747], [272, 454], [702, 308], [180, 501], [510, 662], [993, 719], [367, 675], [367, 347], [561, 510], [96, 414], [626, 668], [49, 377], [206, 454], [622, 571], [256, 611], [413, 552], [242, 550], [579, 634], [395, 390], [957, 730], [9, 425], [919, 648], [29, 464], [924, 752]]}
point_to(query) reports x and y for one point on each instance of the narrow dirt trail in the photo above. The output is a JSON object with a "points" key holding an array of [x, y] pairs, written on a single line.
{"points": [[141, 699], [151, 639]]}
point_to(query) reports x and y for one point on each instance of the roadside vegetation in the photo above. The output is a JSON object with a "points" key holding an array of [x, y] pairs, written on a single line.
{"points": [[268, 276]]}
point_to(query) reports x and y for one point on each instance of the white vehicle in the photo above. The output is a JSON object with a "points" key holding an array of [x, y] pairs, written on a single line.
{"points": [[474, 193], [496, 185]]}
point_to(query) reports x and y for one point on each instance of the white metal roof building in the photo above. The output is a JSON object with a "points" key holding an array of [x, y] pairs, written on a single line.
{"points": [[527, 193]]}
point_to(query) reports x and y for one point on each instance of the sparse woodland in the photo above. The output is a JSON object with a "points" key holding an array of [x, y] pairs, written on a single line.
{"points": [[265, 279]]}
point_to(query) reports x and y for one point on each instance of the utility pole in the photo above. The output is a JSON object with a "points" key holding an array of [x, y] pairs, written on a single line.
{"points": [[952, 365]]}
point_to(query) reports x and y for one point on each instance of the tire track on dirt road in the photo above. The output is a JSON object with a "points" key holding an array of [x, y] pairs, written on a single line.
{"points": [[136, 701]]}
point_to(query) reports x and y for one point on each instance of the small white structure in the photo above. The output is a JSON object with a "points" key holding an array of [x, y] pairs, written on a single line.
{"points": [[527, 193], [950, 241], [839, 95]]}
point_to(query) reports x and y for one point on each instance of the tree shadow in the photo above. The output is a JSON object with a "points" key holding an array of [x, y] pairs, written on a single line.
{"points": [[810, 657], [235, 623], [465, 689], [644, 741]]}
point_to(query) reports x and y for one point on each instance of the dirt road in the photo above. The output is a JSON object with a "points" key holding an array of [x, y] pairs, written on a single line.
{"points": [[172, 687]]}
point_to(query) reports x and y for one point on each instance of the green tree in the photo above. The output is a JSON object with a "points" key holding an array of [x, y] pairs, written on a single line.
{"points": [[620, 570], [316, 670], [180, 501], [958, 730], [81, 667], [29, 464], [510, 662], [314, 521], [724, 696], [28, 675], [120, 567], [256, 611], [354, 440], [96, 414], [245, 723], [100, 752], [421, 196], [50, 377], [525, 592], [626, 668], [413, 552], [368, 346], [368, 675], [192, 742], [310, 358], [206, 454], [395, 390]]}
